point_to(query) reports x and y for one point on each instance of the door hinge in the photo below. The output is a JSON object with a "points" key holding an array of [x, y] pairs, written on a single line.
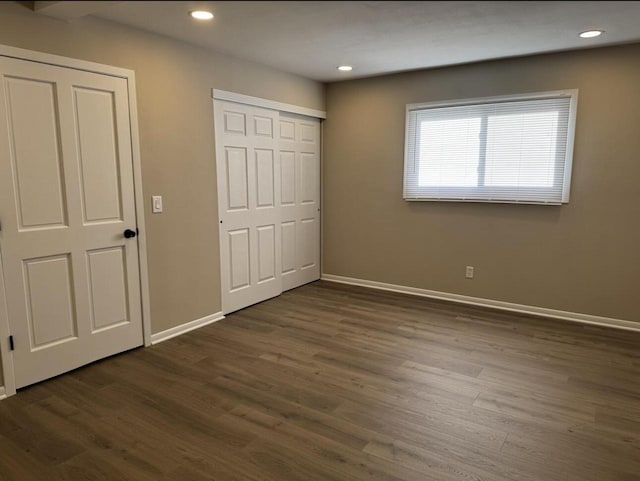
{"points": [[11, 344]]}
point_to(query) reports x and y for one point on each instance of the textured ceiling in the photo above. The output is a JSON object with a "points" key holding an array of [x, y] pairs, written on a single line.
{"points": [[312, 38]]}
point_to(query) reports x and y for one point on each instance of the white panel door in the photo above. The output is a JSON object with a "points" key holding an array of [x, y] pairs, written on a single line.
{"points": [[66, 197], [300, 199], [248, 166]]}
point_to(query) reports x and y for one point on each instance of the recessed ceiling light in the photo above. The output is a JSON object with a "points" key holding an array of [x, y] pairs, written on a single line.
{"points": [[345, 68], [201, 15], [591, 33]]}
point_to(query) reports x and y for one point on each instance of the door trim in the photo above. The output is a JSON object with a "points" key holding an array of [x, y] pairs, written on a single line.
{"points": [[129, 76], [217, 94]]}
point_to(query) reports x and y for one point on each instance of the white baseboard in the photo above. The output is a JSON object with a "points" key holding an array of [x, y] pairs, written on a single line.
{"points": [[3, 393], [501, 305], [189, 326]]}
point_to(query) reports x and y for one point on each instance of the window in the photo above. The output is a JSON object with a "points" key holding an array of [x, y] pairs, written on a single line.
{"points": [[501, 149]]}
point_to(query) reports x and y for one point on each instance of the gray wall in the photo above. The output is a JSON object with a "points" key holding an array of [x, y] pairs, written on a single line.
{"points": [[582, 257], [174, 82]]}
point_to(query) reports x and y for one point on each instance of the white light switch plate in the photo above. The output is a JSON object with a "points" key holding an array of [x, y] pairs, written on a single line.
{"points": [[156, 204]]}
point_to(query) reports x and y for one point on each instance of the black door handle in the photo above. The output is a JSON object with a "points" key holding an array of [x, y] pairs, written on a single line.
{"points": [[128, 234]]}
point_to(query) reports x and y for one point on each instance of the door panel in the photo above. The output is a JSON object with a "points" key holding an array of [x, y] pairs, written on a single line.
{"points": [[307, 243], [300, 198], [108, 288], [248, 187], [235, 122], [264, 178], [287, 130], [239, 259], [50, 307], [237, 178], [288, 247], [308, 131], [288, 169], [266, 252], [35, 152], [66, 196], [308, 178], [263, 126], [97, 141]]}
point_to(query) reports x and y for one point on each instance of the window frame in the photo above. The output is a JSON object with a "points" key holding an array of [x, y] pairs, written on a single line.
{"points": [[409, 164]]}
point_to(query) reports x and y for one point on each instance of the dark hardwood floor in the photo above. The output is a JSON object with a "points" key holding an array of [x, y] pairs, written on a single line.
{"points": [[330, 382]]}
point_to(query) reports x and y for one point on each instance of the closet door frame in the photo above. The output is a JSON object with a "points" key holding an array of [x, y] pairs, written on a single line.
{"points": [[228, 96], [129, 76]]}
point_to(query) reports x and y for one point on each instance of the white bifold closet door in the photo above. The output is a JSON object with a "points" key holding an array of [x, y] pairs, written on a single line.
{"points": [[268, 166], [66, 198]]}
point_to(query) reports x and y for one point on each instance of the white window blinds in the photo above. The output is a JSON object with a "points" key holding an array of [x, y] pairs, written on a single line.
{"points": [[504, 149]]}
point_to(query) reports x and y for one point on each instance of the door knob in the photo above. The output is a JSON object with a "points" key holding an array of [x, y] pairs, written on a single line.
{"points": [[129, 233]]}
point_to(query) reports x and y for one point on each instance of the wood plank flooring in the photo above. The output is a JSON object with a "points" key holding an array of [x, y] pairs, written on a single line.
{"points": [[331, 382]]}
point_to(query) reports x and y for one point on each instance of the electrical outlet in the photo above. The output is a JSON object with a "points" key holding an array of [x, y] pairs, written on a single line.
{"points": [[469, 272]]}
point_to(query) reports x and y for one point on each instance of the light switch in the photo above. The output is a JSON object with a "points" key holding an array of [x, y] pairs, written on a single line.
{"points": [[156, 203]]}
